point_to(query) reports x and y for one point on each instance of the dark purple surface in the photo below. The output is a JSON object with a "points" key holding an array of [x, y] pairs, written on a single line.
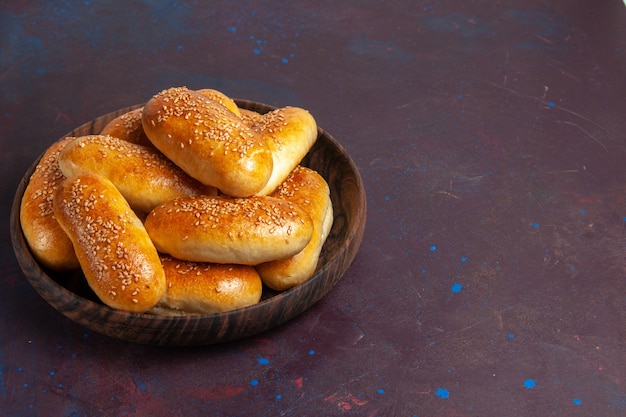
{"points": [[491, 139]]}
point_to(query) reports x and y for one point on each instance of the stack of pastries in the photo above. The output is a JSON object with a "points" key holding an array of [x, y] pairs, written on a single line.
{"points": [[188, 205]]}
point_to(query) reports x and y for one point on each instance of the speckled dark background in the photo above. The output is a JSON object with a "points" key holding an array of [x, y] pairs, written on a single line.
{"points": [[491, 139]]}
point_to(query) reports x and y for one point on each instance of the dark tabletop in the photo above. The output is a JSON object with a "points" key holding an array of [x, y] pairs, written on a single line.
{"points": [[491, 138]]}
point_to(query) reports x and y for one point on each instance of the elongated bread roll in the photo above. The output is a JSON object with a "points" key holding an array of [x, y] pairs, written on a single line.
{"points": [[207, 288], [289, 132], [115, 253], [144, 176], [221, 98], [208, 141], [127, 127], [48, 242], [228, 230], [310, 191]]}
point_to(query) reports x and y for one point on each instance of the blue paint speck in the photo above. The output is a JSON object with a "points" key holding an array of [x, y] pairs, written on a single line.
{"points": [[456, 287], [551, 104], [536, 225], [530, 383], [582, 211], [278, 397], [464, 259], [511, 336], [233, 29], [577, 401], [387, 198], [311, 352], [380, 391], [263, 361], [254, 382], [141, 386], [442, 393], [284, 60], [433, 248]]}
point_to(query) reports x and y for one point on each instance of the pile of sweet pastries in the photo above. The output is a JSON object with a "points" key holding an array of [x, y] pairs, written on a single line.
{"points": [[187, 205]]}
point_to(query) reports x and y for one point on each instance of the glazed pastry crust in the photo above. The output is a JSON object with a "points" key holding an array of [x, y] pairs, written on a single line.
{"points": [[117, 257], [208, 141], [144, 176], [127, 127], [221, 98], [207, 288], [46, 239], [310, 191], [290, 132], [221, 229]]}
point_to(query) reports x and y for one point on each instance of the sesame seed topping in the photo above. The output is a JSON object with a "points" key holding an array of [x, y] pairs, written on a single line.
{"points": [[100, 235], [199, 217], [51, 176], [213, 121]]}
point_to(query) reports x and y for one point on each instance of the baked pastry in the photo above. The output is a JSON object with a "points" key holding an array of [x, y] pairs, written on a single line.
{"points": [[221, 98], [310, 191], [289, 132], [127, 127], [208, 141], [229, 230], [251, 117], [118, 258], [207, 288], [45, 237], [144, 176]]}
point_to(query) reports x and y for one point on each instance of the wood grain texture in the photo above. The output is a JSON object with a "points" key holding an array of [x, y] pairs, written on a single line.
{"points": [[68, 294]]}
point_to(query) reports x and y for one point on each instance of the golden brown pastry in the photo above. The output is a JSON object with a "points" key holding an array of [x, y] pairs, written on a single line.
{"points": [[127, 127], [310, 191], [144, 176], [208, 141], [207, 288], [221, 98], [116, 254], [250, 117], [229, 230], [290, 132], [45, 237]]}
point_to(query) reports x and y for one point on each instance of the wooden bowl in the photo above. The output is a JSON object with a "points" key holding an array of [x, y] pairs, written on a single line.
{"points": [[69, 294]]}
